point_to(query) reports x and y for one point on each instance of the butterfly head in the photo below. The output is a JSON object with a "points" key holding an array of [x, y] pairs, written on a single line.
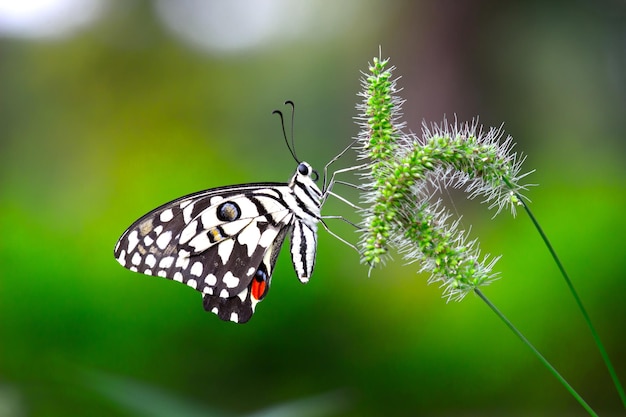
{"points": [[304, 179], [305, 170], [305, 175]]}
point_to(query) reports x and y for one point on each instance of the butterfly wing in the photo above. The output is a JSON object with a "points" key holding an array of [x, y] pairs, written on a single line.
{"points": [[222, 242], [241, 307]]}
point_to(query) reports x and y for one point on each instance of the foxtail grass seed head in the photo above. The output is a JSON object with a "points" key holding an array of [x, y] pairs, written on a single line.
{"points": [[405, 169]]}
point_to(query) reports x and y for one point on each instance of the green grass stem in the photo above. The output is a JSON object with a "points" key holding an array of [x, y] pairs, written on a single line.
{"points": [[581, 307], [541, 358]]}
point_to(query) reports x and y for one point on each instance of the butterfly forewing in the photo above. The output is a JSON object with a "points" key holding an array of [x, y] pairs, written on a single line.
{"points": [[224, 242]]}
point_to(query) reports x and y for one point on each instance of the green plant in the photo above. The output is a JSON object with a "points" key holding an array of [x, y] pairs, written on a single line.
{"points": [[403, 169]]}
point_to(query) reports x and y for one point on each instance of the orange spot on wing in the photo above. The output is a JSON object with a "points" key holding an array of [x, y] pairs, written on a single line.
{"points": [[258, 288], [215, 234]]}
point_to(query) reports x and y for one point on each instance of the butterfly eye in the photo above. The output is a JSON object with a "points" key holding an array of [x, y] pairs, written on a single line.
{"points": [[303, 169], [228, 211]]}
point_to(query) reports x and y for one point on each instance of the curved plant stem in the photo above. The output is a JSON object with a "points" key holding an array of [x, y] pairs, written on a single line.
{"points": [[570, 285], [541, 358]]}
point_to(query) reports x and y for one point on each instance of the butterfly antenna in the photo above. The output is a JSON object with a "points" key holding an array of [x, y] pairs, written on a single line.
{"points": [[282, 124], [293, 114]]}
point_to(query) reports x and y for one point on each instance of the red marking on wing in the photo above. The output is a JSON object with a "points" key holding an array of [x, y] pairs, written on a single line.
{"points": [[258, 288]]}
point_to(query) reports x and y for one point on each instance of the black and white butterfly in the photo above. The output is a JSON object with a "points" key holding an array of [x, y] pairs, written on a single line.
{"points": [[224, 241]]}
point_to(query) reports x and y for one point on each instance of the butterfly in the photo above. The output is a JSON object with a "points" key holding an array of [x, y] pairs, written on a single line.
{"points": [[224, 241]]}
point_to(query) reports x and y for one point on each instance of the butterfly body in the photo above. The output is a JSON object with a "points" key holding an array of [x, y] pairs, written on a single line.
{"points": [[224, 242]]}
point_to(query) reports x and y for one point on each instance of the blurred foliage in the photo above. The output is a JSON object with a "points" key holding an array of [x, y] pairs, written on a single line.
{"points": [[148, 401], [99, 127]]}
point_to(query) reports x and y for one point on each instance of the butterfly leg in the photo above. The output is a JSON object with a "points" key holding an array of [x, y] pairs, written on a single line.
{"points": [[331, 183], [340, 198], [334, 159], [336, 236]]}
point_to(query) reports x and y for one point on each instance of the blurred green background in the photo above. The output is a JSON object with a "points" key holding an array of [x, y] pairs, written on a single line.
{"points": [[110, 108]]}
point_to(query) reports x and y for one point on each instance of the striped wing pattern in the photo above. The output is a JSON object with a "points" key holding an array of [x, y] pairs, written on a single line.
{"points": [[224, 242]]}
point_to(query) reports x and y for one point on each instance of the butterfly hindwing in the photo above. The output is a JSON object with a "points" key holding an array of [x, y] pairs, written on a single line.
{"points": [[226, 269], [241, 307]]}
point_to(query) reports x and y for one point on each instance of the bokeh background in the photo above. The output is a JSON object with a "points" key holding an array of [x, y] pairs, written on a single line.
{"points": [[110, 108]]}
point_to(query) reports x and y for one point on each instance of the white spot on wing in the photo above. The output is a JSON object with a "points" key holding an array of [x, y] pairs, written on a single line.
{"points": [[253, 303], [224, 249], [187, 213], [248, 208], [251, 271], [166, 215], [133, 239], [188, 232], [164, 239], [184, 204], [234, 227], [196, 269], [150, 260], [230, 280], [249, 237], [148, 241], [216, 199], [122, 258], [270, 205], [234, 317], [136, 259], [182, 262], [192, 283], [210, 280], [282, 216], [178, 276], [200, 243], [268, 237], [162, 273], [224, 293], [158, 229], [242, 295], [166, 262]]}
